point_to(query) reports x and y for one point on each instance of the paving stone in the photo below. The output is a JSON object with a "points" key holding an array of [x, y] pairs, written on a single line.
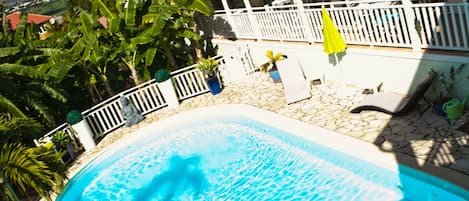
{"points": [[387, 146], [415, 134], [375, 123], [441, 123]]}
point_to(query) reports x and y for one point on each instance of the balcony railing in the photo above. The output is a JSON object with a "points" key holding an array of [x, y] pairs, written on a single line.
{"points": [[393, 24], [106, 116]]}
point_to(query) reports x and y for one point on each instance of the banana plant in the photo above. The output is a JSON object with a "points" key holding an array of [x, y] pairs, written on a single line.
{"points": [[91, 49], [25, 84], [140, 26]]}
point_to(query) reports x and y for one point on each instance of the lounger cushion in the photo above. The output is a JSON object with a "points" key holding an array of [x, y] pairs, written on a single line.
{"points": [[386, 102]]}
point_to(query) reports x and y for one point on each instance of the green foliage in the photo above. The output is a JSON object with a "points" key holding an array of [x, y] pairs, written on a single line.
{"points": [[60, 140], [36, 168], [162, 75], [208, 66], [273, 59], [52, 8], [26, 85], [19, 130], [73, 117], [443, 88], [83, 55]]}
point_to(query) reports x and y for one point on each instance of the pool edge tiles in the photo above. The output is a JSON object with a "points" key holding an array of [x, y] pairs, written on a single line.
{"points": [[363, 150]]}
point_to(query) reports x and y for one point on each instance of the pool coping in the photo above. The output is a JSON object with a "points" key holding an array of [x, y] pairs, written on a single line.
{"points": [[343, 143]]}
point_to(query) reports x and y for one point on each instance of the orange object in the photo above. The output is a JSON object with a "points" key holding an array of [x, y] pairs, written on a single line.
{"points": [[14, 19]]}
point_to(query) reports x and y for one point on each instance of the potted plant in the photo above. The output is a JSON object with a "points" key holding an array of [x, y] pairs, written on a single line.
{"points": [[83, 130], [443, 87], [209, 67], [63, 142], [271, 65], [165, 84]]}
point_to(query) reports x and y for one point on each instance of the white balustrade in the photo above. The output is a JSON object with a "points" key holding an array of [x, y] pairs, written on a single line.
{"points": [[106, 116], [443, 25], [374, 23]]}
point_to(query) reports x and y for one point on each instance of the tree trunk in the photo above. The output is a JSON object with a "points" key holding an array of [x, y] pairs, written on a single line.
{"points": [[92, 93], [134, 74], [172, 61], [100, 98], [107, 86], [197, 47]]}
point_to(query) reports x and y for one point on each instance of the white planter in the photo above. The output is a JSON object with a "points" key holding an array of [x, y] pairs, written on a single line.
{"points": [[85, 135], [169, 94]]}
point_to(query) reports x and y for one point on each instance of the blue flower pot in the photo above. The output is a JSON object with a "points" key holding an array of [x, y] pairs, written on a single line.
{"points": [[213, 84], [438, 108], [275, 75]]}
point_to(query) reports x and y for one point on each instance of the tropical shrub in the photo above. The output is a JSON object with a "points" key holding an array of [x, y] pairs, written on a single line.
{"points": [[24, 169], [19, 130], [207, 66], [444, 83], [271, 64], [60, 140]]}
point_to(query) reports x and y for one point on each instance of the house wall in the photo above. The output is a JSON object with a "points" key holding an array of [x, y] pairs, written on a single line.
{"points": [[399, 70]]}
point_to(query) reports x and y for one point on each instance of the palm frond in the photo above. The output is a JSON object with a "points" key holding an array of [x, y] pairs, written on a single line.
{"points": [[186, 33], [19, 32], [130, 14], [150, 56], [40, 108], [23, 70], [202, 6], [53, 92], [8, 106], [21, 168], [49, 51], [8, 51], [86, 23]]}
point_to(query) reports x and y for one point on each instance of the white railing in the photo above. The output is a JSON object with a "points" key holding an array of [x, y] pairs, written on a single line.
{"points": [[189, 82], [48, 136], [388, 23], [443, 26], [106, 116]]}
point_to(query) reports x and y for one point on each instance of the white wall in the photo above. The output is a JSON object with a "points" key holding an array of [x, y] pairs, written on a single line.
{"points": [[398, 69]]}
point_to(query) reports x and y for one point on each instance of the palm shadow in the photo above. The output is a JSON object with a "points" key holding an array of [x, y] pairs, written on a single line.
{"points": [[183, 174]]}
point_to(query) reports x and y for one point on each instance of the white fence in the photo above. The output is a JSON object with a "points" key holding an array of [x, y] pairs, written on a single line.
{"points": [[106, 116], [389, 23]]}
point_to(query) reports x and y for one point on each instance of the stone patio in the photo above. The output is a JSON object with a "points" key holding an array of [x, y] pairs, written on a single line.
{"points": [[420, 134]]}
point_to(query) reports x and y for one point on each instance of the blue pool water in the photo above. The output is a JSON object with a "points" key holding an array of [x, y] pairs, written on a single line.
{"points": [[236, 158]]}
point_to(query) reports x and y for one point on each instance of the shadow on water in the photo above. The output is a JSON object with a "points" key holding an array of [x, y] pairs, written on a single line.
{"points": [[183, 176]]}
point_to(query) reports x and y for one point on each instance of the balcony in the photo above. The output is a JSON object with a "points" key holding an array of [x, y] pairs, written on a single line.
{"points": [[428, 26]]}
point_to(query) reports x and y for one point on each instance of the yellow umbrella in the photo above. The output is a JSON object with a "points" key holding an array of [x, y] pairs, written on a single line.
{"points": [[333, 41]]}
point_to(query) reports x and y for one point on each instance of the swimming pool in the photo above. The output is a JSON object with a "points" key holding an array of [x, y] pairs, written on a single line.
{"points": [[230, 153]]}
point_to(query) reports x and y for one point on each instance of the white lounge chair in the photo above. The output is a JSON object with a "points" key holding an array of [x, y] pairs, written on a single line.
{"points": [[293, 80]]}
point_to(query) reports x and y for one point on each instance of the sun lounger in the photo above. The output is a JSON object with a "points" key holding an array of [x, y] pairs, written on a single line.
{"points": [[392, 103], [293, 80]]}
